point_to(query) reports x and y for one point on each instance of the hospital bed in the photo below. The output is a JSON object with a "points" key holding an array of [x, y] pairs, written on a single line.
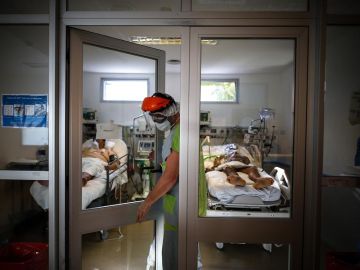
{"points": [[99, 191], [226, 200], [222, 199]]}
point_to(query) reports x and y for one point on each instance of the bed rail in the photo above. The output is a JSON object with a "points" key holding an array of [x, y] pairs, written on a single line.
{"points": [[116, 166]]}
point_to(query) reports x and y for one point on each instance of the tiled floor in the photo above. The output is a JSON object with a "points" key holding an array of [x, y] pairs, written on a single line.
{"points": [[125, 248], [243, 256], [130, 252], [128, 247]]}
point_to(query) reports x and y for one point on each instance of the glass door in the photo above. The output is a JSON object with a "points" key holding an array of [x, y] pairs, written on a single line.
{"points": [[109, 143], [247, 146]]}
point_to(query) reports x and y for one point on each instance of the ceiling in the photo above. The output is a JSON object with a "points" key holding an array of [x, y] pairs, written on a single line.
{"points": [[28, 47], [229, 56]]}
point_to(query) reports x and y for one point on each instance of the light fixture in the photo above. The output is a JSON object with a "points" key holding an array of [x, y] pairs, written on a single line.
{"points": [[173, 62], [144, 40]]}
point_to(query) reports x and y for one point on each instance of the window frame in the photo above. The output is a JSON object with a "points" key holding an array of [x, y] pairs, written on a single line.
{"points": [[237, 90], [102, 80]]}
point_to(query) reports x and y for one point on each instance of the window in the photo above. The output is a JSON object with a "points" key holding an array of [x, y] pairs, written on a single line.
{"points": [[124, 89], [220, 90]]}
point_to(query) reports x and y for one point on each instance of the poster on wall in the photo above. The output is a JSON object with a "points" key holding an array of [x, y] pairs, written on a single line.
{"points": [[23, 111]]}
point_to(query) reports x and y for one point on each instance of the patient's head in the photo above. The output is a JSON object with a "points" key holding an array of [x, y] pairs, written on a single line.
{"points": [[101, 143]]}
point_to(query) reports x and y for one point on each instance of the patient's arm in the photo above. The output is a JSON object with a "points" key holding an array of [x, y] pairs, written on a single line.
{"points": [[251, 171], [233, 177], [235, 156], [260, 182], [85, 177]]}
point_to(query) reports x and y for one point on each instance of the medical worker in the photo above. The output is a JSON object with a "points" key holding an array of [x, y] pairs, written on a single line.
{"points": [[165, 114]]}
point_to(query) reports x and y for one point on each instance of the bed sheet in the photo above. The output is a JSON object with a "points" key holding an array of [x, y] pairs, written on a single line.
{"points": [[94, 188], [220, 188]]}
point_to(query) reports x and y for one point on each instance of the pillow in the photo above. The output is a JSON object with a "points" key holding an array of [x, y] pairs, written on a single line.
{"points": [[90, 144], [119, 147]]}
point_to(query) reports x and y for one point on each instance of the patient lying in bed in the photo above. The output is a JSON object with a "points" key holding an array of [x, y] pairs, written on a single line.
{"points": [[232, 171], [94, 159]]}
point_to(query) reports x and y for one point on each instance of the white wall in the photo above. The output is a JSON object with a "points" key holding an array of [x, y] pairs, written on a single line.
{"points": [[173, 85], [121, 113], [285, 110], [272, 90], [31, 82]]}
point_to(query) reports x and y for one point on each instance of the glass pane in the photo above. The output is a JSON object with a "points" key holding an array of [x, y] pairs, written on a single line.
{"points": [[124, 5], [24, 88], [247, 146], [126, 247], [117, 90], [219, 90], [259, 5], [343, 7], [24, 7], [341, 139], [243, 256], [117, 138]]}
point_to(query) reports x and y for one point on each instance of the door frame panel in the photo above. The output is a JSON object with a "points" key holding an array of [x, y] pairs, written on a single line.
{"points": [[94, 219], [193, 228], [263, 230]]}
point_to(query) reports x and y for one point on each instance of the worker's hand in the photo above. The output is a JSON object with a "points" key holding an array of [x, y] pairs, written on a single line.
{"points": [[142, 211]]}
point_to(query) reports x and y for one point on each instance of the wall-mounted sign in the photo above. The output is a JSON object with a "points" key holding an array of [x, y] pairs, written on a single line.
{"points": [[19, 111]]}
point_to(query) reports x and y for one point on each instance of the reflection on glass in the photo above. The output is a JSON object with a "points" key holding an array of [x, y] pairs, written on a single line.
{"points": [[243, 256], [246, 127], [24, 7], [23, 143], [117, 138], [343, 90], [124, 5], [126, 247], [343, 7], [259, 5], [341, 139]]}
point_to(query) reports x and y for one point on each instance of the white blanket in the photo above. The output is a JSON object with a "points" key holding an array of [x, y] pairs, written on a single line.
{"points": [[94, 188], [225, 192]]}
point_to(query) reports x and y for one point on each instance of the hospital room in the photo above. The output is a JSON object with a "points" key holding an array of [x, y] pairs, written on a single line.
{"points": [[247, 122], [242, 122]]}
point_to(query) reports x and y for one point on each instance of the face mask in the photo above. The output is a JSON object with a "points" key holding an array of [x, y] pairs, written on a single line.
{"points": [[163, 126]]}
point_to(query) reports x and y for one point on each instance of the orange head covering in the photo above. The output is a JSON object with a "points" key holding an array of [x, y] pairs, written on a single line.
{"points": [[157, 102]]}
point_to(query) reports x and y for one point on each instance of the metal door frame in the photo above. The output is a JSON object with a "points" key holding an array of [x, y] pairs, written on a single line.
{"points": [[287, 231], [95, 219]]}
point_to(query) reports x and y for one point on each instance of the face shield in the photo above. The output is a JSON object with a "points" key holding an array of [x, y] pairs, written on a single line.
{"points": [[158, 117], [160, 109]]}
